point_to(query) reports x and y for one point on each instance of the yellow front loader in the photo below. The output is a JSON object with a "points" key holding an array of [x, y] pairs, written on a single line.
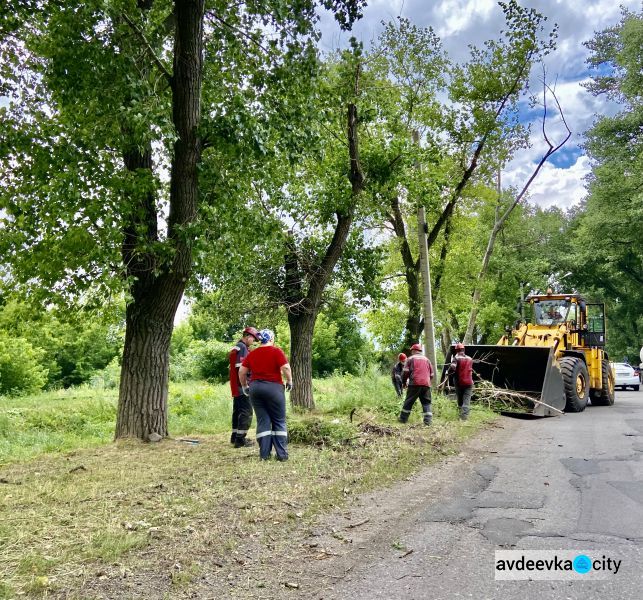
{"points": [[557, 359]]}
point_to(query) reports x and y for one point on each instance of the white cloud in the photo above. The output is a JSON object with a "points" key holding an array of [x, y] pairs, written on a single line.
{"points": [[553, 186], [455, 16], [460, 23]]}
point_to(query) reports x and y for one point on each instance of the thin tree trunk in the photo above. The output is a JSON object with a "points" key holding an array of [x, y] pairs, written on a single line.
{"points": [[477, 292], [500, 220], [413, 324], [303, 310]]}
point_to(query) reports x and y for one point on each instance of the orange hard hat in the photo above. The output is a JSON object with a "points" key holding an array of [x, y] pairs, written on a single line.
{"points": [[416, 347], [401, 356], [459, 346]]}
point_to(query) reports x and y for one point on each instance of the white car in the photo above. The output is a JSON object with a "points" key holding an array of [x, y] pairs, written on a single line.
{"points": [[625, 376]]}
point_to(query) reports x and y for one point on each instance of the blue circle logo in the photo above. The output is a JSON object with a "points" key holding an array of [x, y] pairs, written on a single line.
{"points": [[582, 564]]}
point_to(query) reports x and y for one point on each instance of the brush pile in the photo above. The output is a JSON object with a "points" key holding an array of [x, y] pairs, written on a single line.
{"points": [[502, 399]]}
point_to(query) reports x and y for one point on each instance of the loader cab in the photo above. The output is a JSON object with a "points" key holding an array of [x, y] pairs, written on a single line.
{"points": [[585, 321], [553, 310]]}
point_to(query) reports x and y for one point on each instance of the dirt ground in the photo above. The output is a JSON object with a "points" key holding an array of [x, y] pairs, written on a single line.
{"points": [[299, 559]]}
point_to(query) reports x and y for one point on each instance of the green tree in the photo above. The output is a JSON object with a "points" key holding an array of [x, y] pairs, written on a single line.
{"points": [[462, 143], [72, 346], [609, 228], [20, 366], [105, 98]]}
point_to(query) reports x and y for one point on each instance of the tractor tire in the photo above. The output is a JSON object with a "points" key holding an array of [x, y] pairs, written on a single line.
{"points": [[575, 382], [606, 395]]}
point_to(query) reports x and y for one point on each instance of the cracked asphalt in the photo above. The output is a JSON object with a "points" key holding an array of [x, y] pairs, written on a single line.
{"points": [[568, 483]]}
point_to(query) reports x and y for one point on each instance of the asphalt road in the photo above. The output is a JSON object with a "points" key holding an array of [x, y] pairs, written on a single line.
{"points": [[568, 483]]}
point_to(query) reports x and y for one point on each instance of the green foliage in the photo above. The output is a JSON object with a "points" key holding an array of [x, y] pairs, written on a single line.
{"points": [[73, 346], [339, 345], [607, 232], [20, 368], [202, 359], [107, 378]]}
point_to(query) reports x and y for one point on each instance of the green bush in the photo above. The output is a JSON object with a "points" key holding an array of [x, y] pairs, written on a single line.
{"points": [[207, 359], [20, 368], [108, 378]]}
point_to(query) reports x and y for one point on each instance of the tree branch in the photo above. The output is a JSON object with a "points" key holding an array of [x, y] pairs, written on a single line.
{"points": [[157, 61]]}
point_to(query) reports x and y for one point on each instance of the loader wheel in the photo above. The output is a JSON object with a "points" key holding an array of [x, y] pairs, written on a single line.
{"points": [[606, 395], [576, 383]]}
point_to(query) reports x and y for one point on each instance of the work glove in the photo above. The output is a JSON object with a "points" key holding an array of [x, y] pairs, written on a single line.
{"points": [[246, 390], [288, 387]]}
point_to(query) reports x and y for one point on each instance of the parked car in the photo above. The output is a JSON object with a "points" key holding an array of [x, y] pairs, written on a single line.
{"points": [[625, 376]]}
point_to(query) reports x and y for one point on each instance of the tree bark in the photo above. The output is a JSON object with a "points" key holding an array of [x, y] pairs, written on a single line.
{"points": [[413, 325], [157, 283], [302, 327], [303, 309], [143, 393]]}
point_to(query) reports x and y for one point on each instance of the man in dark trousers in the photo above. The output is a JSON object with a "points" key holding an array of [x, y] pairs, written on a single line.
{"points": [[396, 374], [462, 369], [418, 373], [241, 407]]}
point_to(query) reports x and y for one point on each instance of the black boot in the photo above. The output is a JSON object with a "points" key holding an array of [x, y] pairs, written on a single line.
{"points": [[243, 443]]}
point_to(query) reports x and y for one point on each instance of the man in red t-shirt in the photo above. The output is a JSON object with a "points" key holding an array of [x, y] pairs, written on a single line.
{"points": [[418, 373], [269, 367], [241, 407], [462, 369]]}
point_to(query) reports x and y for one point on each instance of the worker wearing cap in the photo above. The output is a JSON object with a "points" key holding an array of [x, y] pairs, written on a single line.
{"points": [[241, 407], [269, 367], [396, 373], [462, 369], [417, 373]]}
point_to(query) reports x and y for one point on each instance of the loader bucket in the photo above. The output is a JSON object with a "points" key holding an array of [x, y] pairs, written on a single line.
{"points": [[532, 371]]}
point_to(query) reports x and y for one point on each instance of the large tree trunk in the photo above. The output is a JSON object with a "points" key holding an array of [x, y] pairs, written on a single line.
{"points": [[143, 394], [158, 283]]}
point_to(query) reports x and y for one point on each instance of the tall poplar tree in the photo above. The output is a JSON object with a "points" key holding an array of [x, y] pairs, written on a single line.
{"points": [[113, 108]]}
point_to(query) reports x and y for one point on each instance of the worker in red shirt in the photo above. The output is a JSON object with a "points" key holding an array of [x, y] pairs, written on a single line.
{"points": [[462, 369], [241, 407], [417, 374], [396, 374], [269, 367]]}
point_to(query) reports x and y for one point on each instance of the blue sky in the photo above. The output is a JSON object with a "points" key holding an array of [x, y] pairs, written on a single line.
{"points": [[462, 22]]}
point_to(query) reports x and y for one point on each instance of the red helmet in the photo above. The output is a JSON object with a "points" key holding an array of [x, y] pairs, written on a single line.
{"points": [[459, 346], [251, 331], [401, 356], [416, 347]]}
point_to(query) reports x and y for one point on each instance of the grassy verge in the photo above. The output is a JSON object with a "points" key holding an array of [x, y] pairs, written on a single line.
{"points": [[77, 510]]}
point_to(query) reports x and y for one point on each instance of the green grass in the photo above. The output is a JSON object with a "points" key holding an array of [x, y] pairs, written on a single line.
{"points": [[74, 504], [84, 417]]}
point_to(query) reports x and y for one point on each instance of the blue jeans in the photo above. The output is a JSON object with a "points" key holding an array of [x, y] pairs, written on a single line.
{"points": [[269, 401]]}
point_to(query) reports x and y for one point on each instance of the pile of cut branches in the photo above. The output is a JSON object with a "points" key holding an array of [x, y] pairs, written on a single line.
{"points": [[375, 429], [499, 399]]}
